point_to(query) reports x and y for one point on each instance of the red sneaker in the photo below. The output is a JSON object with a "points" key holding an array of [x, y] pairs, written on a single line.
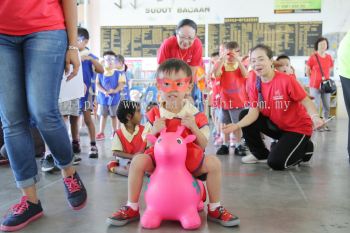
{"points": [[222, 216], [100, 137], [111, 165], [123, 216]]}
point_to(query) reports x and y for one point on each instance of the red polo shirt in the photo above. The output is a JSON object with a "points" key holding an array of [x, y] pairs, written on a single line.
{"points": [[170, 49], [282, 102]]}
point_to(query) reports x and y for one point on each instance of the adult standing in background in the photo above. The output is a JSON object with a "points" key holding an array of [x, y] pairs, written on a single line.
{"points": [[184, 45], [344, 73], [319, 67], [38, 41]]}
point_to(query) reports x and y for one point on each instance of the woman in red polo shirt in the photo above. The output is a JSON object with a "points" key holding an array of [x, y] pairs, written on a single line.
{"points": [[38, 41], [314, 72], [275, 100], [185, 45]]}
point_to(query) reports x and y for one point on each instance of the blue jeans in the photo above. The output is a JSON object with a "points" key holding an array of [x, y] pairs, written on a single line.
{"points": [[31, 69]]}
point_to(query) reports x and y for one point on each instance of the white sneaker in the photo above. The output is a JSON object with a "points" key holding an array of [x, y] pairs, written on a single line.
{"points": [[250, 159]]}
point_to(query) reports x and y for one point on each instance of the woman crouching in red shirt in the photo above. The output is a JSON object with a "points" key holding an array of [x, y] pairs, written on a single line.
{"points": [[280, 109]]}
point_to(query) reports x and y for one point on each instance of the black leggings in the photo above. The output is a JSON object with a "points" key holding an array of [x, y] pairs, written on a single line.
{"points": [[289, 150]]}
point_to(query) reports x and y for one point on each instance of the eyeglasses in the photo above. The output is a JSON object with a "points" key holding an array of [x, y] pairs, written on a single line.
{"points": [[188, 38], [109, 58], [168, 85]]}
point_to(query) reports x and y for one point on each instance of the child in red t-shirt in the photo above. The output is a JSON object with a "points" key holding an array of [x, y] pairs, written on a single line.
{"points": [[232, 75], [127, 140]]}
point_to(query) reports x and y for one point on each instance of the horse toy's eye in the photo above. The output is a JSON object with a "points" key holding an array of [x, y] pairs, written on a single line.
{"points": [[159, 140], [179, 141]]}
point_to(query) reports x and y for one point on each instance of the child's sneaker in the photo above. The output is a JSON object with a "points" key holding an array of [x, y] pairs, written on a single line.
{"points": [[100, 136], [240, 151], [111, 165], [222, 216], [123, 216], [47, 163], [93, 154], [21, 215], [75, 191], [76, 160], [76, 147], [223, 150]]}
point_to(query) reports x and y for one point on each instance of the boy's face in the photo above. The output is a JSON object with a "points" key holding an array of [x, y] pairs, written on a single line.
{"points": [[214, 60], [82, 43], [173, 87], [136, 119], [109, 61], [285, 65], [232, 54]]}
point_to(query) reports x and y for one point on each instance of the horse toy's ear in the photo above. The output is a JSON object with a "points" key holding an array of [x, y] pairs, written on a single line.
{"points": [[190, 138], [151, 138]]}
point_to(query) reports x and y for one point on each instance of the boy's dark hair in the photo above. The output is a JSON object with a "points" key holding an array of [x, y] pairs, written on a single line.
{"points": [[231, 45], [214, 54], [125, 108], [174, 65], [282, 56], [266, 48], [109, 53], [186, 22], [319, 40], [82, 32]]}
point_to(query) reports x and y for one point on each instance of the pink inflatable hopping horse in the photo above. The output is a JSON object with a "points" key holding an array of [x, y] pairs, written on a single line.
{"points": [[172, 193]]}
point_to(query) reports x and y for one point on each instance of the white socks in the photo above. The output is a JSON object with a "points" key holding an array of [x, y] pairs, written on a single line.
{"points": [[134, 206], [213, 206]]}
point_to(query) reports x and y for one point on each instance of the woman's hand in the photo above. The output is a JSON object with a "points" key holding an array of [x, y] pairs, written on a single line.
{"points": [[230, 128], [72, 58]]}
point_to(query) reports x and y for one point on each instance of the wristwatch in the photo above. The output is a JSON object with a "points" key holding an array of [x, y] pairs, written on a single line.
{"points": [[72, 47]]}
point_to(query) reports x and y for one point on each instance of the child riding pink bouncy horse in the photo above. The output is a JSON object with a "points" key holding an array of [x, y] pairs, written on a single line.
{"points": [[172, 193]]}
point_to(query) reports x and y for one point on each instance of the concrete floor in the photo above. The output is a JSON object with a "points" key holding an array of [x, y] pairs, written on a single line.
{"points": [[313, 199]]}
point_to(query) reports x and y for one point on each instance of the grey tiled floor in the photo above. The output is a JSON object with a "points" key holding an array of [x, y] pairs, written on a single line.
{"points": [[312, 199]]}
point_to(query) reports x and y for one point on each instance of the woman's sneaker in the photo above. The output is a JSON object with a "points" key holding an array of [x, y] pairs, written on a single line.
{"points": [[123, 216], [223, 216], [21, 215], [251, 159], [223, 150], [75, 191], [93, 154]]}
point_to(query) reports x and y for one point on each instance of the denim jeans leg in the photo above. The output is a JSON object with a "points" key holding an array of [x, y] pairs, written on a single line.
{"points": [[44, 54], [14, 112]]}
